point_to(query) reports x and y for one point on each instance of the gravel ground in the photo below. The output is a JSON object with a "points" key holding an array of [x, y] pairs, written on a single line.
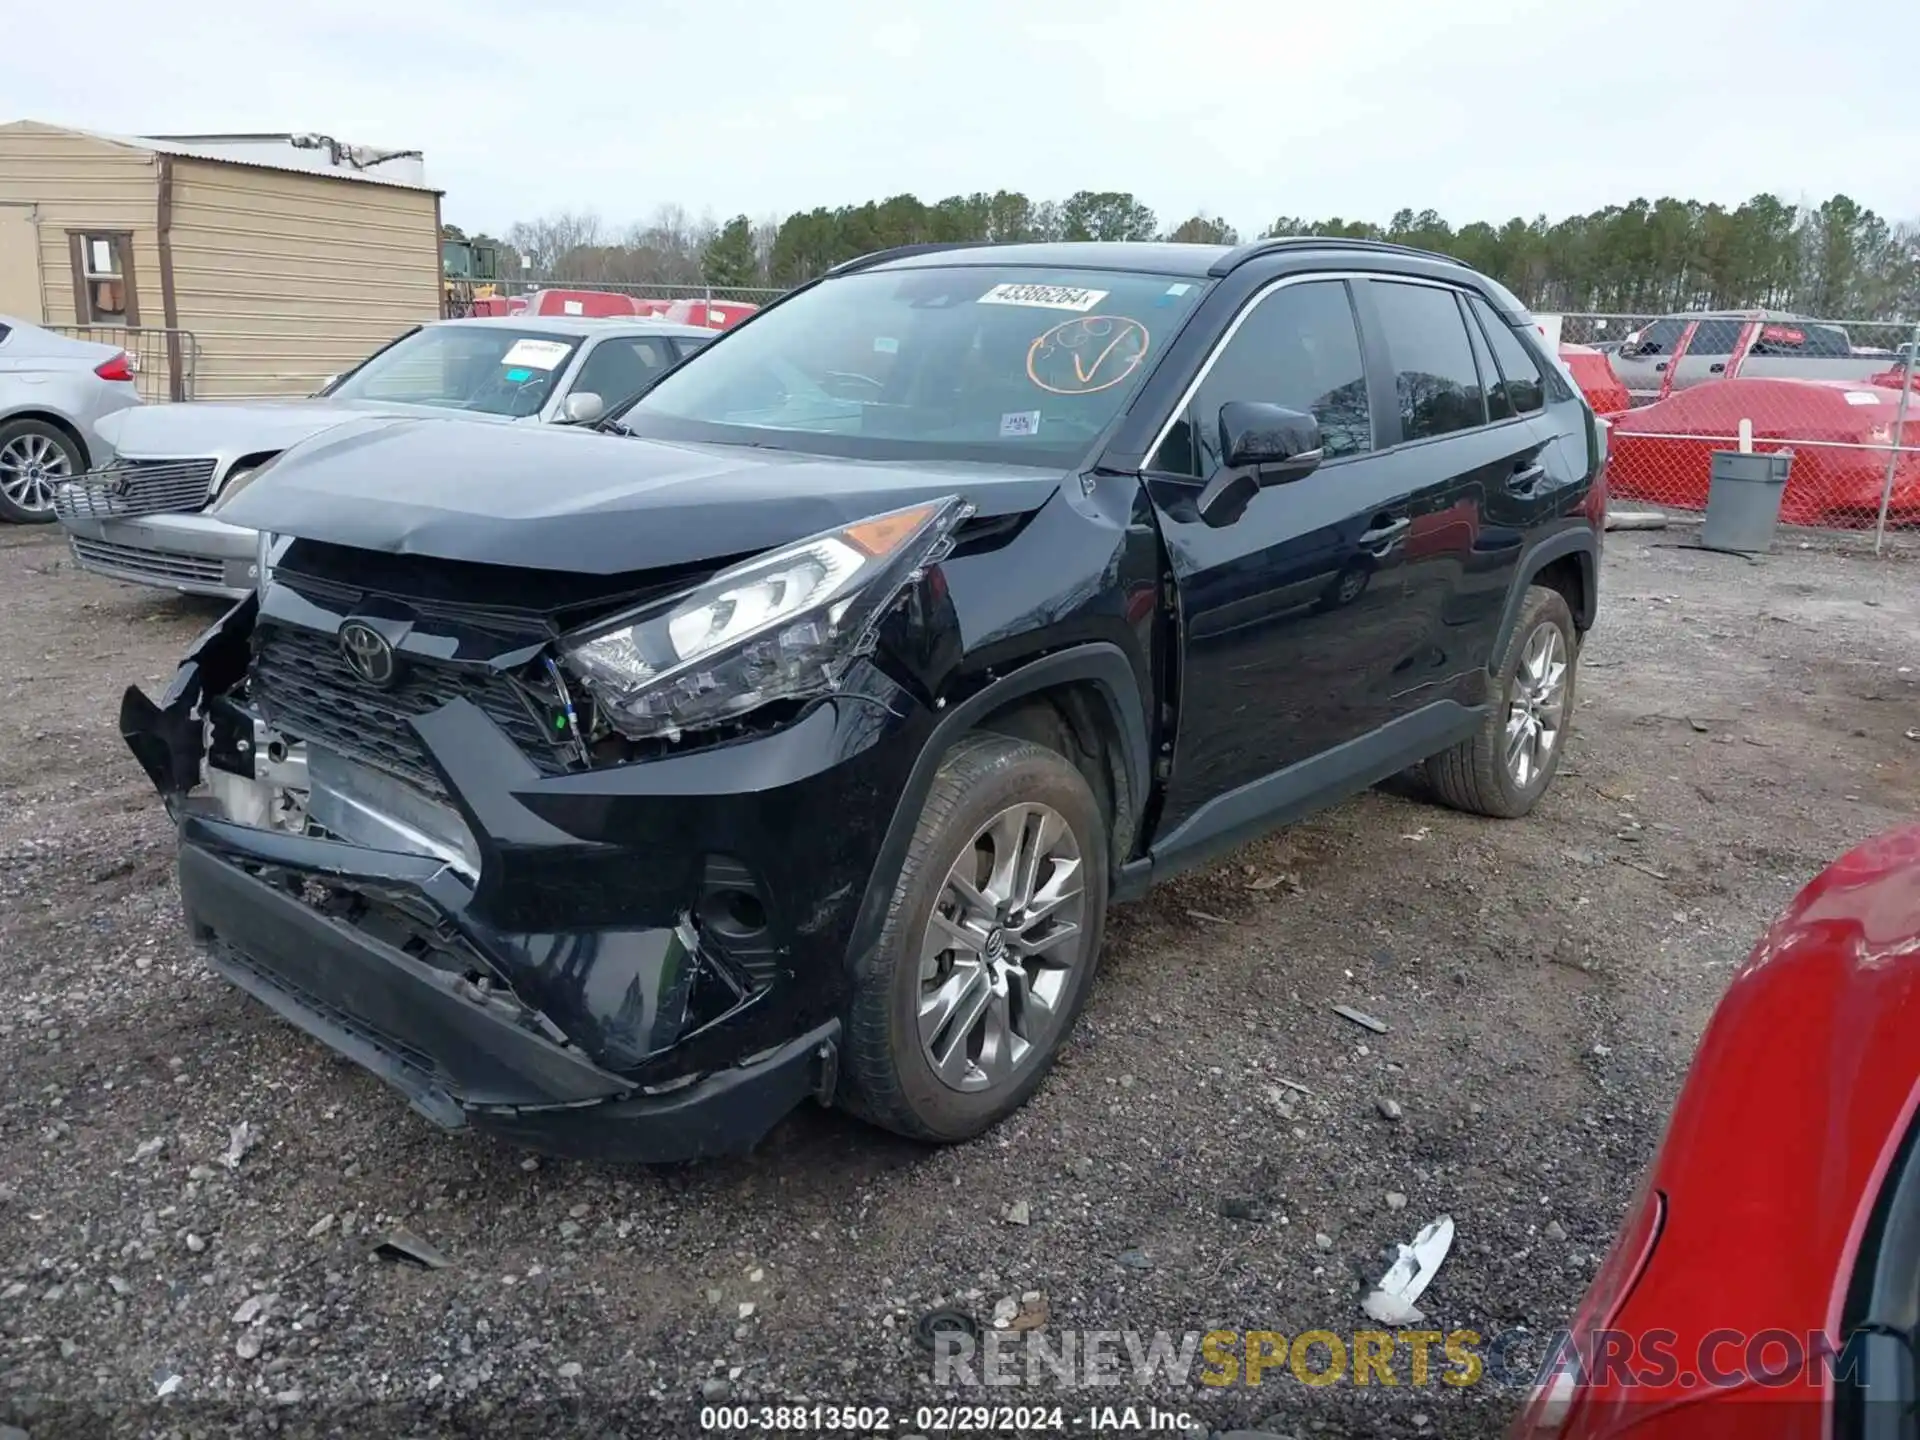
{"points": [[1542, 982]]}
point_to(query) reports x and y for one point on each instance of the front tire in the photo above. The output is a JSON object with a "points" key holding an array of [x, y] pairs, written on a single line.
{"points": [[989, 946], [1506, 767]]}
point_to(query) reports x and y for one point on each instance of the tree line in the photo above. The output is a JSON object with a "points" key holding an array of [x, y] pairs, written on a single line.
{"points": [[1836, 259]]}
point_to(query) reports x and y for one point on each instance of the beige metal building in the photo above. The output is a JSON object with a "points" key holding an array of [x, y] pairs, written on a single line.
{"points": [[234, 265]]}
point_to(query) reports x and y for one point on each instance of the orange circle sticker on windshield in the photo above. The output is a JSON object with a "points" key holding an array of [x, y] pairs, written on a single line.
{"points": [[1087, 353]]}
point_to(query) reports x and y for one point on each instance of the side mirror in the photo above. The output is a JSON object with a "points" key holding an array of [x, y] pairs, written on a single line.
{"points": [[1282, 444], [583, 407], [1260, 445]]}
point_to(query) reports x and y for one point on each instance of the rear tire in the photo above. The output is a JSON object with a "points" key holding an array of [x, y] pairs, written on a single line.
{"points": [[989, 946], [1507, 765], [35, 458]]}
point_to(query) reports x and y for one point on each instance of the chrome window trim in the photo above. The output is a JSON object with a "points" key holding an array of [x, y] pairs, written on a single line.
{"points": [[1259, 298]]}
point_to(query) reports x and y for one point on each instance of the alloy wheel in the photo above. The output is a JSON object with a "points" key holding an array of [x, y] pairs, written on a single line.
{"points": [[1007, 929], [31, 468], [1537, 704]]}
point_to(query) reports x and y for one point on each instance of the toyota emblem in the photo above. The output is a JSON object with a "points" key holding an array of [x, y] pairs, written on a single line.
{"points": [[368, 654]]}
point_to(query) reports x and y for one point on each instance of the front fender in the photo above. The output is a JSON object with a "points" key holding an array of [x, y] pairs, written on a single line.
{"points": [[1102, 665]]}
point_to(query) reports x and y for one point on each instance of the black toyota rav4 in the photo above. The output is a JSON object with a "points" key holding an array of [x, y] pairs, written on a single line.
{"points": [[617, 792]]}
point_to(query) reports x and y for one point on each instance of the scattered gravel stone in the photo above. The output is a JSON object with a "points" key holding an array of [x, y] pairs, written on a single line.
{"points": [[1396, 1201], [1389, 1109], [1019, 1213]]}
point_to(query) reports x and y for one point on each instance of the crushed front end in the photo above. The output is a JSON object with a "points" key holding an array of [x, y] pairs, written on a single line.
{"points": [[473, 829]]}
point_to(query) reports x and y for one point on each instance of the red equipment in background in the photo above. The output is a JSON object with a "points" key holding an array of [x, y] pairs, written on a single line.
{"points": [[1596, 379], [1837, 430]]}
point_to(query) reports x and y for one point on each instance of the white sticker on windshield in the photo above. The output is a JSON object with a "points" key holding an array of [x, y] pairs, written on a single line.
{"points": [[536, 354], [1019, 424], [1862, 397], [1178, 289], [885, 345], [1044, 297]]}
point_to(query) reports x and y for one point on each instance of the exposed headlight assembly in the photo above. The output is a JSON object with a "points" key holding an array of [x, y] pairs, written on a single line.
{"points": [[782, 626]]}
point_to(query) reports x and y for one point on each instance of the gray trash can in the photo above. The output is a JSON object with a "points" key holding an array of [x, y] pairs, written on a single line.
{"points": [[1743, 500]]}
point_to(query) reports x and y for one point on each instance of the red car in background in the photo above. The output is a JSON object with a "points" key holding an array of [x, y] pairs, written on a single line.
{"points": [[1838, 431], [1766, 1279]]}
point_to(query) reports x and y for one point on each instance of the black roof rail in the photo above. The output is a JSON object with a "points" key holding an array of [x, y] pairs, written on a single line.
{"points": [[1240, 255], [900, 252]]}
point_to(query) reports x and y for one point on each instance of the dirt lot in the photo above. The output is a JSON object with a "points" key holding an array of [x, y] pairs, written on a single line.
{"points": [[1543, 981]]}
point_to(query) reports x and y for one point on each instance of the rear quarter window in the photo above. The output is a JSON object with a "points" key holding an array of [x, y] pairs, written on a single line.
{"points": [[1526, 388]]}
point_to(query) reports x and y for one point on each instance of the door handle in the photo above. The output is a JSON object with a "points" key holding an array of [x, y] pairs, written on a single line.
{"points": [[1526, 478], [1380, 537], [1661, 366], [1717, 368]]}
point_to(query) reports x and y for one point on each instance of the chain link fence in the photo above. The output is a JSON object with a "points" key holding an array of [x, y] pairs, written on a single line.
{"points": [[1837, 394], [164, 361]]}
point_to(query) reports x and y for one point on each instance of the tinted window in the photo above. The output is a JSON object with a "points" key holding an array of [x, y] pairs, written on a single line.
{"points": [[1525, 389], [1438, 388], [688, 344], [1715, 337], [1298, 347], [5, 331], [1498, 406], [617, 370]]}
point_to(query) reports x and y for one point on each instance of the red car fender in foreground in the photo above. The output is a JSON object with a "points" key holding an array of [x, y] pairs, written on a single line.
{"points": [[1742, 1246]]}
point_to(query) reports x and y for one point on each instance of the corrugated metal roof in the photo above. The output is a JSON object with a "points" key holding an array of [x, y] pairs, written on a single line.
{"points": [[212, 154]]}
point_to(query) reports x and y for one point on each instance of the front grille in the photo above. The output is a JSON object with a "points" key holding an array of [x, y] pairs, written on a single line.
{"points": [[136, 487], [305, 689], [150, 564]]}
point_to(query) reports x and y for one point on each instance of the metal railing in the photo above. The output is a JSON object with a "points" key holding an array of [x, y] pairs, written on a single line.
{"points": [[165, 361]]}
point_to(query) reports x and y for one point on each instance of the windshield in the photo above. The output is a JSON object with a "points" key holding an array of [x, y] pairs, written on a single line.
{"points": [[969, 363], [496, 369]]}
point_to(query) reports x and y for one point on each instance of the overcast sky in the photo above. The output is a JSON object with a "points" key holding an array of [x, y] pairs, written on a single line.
{"points": [[1476, 108]]}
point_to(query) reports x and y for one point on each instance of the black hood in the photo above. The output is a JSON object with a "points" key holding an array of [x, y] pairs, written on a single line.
{"points": [[565, 499]]}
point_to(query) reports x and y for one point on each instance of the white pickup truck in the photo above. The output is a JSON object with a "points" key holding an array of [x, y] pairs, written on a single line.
{"points": [[1681, 350]]}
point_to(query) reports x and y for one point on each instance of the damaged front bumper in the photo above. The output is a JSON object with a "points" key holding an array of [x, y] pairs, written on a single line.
{"points": [[643, 962]]}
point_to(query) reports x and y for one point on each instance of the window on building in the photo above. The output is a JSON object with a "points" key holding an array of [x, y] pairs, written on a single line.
{"points": [[103, 288]]}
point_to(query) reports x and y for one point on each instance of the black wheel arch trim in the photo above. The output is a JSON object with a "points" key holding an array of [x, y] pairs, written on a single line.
{"points": [[1579, 541], [1105, 666]]}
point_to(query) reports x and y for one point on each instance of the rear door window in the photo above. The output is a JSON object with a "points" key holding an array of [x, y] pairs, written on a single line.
{"points": [[1433, 371], [1715, 337]]}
